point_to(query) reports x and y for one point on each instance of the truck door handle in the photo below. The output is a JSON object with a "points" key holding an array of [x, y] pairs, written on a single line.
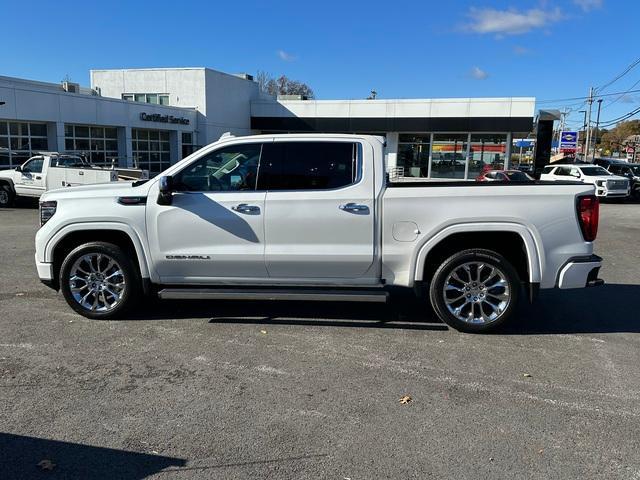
{"points": [[38, 178], [80, 172], [245, 208], [354, 207]]}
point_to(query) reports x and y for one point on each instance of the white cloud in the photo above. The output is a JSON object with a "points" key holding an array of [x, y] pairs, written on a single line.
{"points": [[512, 21], [520, 50], [588, 5], [286, 56], [626, 98], [478, 73]]}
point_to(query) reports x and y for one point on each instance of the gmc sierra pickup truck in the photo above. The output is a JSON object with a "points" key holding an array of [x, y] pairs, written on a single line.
{"points": [[314, 218]]}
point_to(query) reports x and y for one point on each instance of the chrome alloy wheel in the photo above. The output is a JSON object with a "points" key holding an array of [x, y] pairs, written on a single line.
{"points": [[476, 292], [4, 196], [97, 282]]}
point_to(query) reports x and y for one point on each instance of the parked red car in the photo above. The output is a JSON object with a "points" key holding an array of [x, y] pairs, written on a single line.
{"points": [[503, 176]]}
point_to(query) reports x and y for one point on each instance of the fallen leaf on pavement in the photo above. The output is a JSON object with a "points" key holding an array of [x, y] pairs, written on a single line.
{"points": [[46, 464], [405, 399], [526, 375], [20, 294], [263, 332]]}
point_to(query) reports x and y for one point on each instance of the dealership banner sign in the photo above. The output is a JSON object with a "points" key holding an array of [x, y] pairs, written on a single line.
{"points": [[568, 142]]}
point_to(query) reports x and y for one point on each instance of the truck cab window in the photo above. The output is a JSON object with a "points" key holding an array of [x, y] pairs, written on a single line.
{"points": [[33, 166], [308, 165], [227, 169]]}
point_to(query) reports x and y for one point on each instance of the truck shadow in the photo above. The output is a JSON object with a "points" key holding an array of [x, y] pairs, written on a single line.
{"points": [[27, 457], [608, 309]]}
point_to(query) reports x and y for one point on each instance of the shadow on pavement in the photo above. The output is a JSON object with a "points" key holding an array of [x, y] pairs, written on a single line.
{"points": [[20, 456], [607, 309], [611, 308]]}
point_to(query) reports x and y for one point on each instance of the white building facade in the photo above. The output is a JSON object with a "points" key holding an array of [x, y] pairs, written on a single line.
{"points": [[152, 118]]}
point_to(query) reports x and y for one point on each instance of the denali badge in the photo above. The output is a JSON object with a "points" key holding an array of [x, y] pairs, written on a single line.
{"points": [[188, 257]]}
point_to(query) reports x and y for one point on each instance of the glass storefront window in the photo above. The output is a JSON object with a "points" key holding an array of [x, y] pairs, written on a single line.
{"points": [[487, 152], [19, 141], [151, 149], [98, 144], [413, 155], [449, 155]]}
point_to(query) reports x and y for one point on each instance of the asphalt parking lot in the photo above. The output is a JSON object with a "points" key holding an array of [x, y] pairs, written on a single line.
{"points": [[288, 390]]}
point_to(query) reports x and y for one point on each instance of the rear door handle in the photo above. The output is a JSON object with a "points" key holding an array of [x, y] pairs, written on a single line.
{"points": [[38, 178], [246, 208], [80, 173], [354, 207]]}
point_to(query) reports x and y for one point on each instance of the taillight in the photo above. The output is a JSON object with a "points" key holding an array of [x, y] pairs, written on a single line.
{"points": [[588, 208]]}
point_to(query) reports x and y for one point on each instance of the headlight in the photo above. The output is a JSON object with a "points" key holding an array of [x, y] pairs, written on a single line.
{"points": [[47, 209]]}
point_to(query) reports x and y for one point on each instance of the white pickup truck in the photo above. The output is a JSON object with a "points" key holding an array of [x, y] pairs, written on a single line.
{"points": [[313, 217], [53, 170], [607, 184]]}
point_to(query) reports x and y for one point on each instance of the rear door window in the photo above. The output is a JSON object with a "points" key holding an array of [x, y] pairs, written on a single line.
{"points": [[308, 165]]}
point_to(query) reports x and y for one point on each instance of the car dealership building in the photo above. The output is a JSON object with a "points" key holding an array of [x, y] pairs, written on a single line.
{"points": [[152, 118]]}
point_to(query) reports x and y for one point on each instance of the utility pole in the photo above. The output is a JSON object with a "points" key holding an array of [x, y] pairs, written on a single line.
{"points": [[595, 141], [584, 128], [588, 142]]}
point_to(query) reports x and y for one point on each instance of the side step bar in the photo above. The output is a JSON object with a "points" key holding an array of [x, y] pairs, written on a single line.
{"points": [[273, 294]]}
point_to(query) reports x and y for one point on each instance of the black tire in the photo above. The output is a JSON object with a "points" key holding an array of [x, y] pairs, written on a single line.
{"points": [[129, 273], [7, 196], [472, 291]]}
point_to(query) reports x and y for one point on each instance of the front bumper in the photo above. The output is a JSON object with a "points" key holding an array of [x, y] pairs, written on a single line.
{"points": [[603, 192], [45, 273], [580, 272]]}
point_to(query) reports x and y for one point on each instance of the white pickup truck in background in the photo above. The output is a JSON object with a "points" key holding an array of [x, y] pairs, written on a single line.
{"points": [[48, 171], [315, 218], [607, 184]]}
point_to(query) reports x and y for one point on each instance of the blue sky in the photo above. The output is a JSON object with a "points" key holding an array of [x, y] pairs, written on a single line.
{"points": [[550, 50]]}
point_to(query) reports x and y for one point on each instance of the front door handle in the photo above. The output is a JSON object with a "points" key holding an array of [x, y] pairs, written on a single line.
{"points": [[354, 208], [38, 178], [246, 208]]}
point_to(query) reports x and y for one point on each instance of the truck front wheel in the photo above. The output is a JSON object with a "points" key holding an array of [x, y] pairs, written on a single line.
{"points": [[6, 195], [99, 281], [474, 290]]}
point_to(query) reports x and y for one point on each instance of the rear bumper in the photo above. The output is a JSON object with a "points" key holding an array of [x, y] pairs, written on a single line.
{"points": [[580, 272]]}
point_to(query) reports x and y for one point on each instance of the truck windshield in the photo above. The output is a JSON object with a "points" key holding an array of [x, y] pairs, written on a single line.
{"points": [[635, 169], [594, 171]]}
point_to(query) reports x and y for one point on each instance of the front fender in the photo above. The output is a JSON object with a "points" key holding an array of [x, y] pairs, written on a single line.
{"points": [[141, 252]]}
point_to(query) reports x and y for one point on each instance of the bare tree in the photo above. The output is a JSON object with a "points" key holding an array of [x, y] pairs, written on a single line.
{"points": [[282, 85]]}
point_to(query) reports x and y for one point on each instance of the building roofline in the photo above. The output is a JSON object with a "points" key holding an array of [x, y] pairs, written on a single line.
{"points": [[160, 69]]}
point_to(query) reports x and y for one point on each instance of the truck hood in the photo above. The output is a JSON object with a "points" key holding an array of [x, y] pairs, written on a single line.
{"points": [[114, 189], [6, 173]]}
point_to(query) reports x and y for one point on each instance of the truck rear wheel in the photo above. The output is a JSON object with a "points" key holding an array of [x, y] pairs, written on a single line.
{"points": [[474, 290], [99, 281], [6, 195]]}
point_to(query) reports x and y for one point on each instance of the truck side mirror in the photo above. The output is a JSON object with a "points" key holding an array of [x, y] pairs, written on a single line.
{"points": [[19, 168], [165, 195]]}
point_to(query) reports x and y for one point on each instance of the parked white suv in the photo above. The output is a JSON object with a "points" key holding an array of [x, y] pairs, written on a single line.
{"points": [[314, 218], [607, 185]]}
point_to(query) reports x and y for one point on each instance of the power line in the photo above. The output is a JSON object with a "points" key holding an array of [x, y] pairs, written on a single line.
{"points": [[587, 97], [620, 75], [627, 115], [621, 95]]}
